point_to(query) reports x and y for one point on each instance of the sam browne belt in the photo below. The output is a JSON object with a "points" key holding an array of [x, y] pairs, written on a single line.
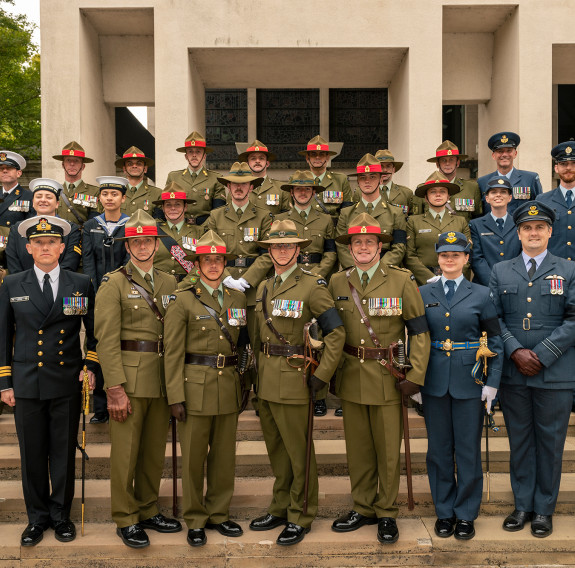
{"points": [[216, 361]]}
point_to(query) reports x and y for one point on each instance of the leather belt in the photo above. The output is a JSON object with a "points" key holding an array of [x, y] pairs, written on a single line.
{"points": [[311, 258], [241, 262], [449, 345], [143, 346], [216, 361], [281, 350], [367, 352]]}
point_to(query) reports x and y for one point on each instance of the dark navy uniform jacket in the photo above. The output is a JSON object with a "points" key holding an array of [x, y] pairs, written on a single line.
{"points": [[18, 258], [9, 213], [491, 245], [532, 317], [471, 312], [562, 241], [519, 179], [40, 349]]}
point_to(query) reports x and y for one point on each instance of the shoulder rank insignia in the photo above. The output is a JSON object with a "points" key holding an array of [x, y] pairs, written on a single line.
{"points": [[322, 281], [167, 298], [105, 279]]}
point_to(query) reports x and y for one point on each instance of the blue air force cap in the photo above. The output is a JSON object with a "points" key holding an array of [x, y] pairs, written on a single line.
{"points": [[499, 182], [564, 152], [452, 242], [503, 140], [533, 211]]}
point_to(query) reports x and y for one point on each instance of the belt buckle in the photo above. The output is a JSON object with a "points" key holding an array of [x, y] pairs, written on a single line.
{"points": [[160, 348], [361, 352], [526, 324], [220, 361], [447, 345], [241, 262]]}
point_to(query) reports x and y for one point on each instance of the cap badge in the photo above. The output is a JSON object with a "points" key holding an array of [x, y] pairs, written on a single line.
{"points": [[134, 155], [504, 139], [193, 143], [213, 249], [449, 152], [366, 169], [451, 238], [2, 156], [568, 150], [363, 229], [500, 182], [257, 148], [281, 234], [533, 210], [172, 195], [139, 229], [43, 225], [71, 152]]}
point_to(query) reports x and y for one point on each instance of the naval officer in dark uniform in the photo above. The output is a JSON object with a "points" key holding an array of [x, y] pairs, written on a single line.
{"points": [[458, 312], [535, 297], [42, 310]]}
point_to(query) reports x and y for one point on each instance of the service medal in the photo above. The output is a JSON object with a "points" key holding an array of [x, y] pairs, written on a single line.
{"points": [[521, 192]]}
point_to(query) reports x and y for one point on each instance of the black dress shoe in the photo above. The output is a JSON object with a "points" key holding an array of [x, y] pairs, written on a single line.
{"points": [[516, 521], [542, 525], [197, 537], [351, 522], [161, 524], [133, 536], [418, 408], [64, 531], [267, 522], [292, 534], [338, 412], [464, 530], [32, 535], [320, 408], [100, 418], [445, 527], [387, 532], [227, 528]]}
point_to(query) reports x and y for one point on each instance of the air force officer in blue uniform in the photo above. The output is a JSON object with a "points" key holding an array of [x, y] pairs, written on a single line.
{"points": [[535, 298], [494, 235], [457, 312], [526, 185]]}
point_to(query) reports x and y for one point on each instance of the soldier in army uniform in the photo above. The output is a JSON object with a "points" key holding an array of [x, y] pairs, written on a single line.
{"points": [[423, 230], [337, 193], [284, 304], [15, 201], [200, 184], [45, 193], [526, 185], [534, 295], [78, 200], [180, 237], [205, 327], [140, 194], [392, 192], [370, 395], [390, 218], [269, 194], [129, 326], [42, 310], [467, 202]]}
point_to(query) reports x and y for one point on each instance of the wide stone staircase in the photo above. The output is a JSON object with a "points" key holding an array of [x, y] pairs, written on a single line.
{"points": [[417, 545]]}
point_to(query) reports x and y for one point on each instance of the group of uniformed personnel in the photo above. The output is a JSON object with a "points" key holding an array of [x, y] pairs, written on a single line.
{"points": [[209, 286]]}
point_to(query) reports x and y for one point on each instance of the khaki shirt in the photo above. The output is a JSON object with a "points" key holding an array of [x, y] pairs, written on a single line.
{"points": [[81, 189], [142, 198], [271, 197], [333, 181], [164, 259]]}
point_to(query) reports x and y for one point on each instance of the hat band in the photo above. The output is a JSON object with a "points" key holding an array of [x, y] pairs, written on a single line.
{"points": [[132, 155], [436, 181], [210, 249], [284, 234], [441, 153], [46, 188], [142, 230], [241, 173], [364, 229], [192, 143], [173, 195], [257, 149], [78, 153], [369, 169], [112, 186], [317, 148], [310, 182]]}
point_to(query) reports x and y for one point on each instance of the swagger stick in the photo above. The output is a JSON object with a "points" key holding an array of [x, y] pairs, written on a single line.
{"points": [[174, 469], [85, 410], [487, 454]]}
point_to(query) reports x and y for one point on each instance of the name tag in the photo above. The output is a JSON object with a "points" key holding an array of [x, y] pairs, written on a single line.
{"points": [[487, 234], [20, 299], [342, 298], [287, 308], [97, 231], [133, 296], [424, 231], [203, 317], [435, 304]]}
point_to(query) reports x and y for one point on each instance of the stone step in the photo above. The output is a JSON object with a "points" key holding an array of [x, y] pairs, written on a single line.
{"points": [[252, 459], [417, 546], [252, 496]]}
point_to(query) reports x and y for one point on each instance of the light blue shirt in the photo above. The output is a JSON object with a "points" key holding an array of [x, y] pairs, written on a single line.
{"points": [[457, 283], [564, 192], [507, 175], [538, 259], [495, 218]]}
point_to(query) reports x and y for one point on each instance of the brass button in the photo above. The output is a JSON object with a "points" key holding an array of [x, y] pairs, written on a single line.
{"points": [[60, 352], [364, 301], [203, 328], [568, 226], [305, 228], [529, 315], [500, 242], [568, 243], [501, 254], [362, 341], [448, 354], [568, 212], [221, 336], [528, 299], [62, 331], [40, 331], [135, 307], [446, 328], [40, 342], [530, 284], [61, 362], [40, 353], [186, 380], [446, 314], [61, 341], [40, 364], [220, 372]]}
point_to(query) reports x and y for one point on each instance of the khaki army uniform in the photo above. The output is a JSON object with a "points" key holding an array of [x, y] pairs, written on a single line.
{"points": [[284, 395], [330, 202], [399, 195], [87, 207], [422, 233], [269, 196], [212, 397], [205, 191], [137, 445], [320, 256], [371, 403], [141, 198], [186, 238], [392, 222]]}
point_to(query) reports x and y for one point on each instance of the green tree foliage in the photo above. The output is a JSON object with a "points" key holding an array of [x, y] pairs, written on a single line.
{"points": [[19, 85]]}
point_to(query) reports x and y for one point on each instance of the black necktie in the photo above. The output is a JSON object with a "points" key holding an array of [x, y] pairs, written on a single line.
{"points": [[47, 291], [533, 268], [499, 224], [450, 290], [569, 197]]}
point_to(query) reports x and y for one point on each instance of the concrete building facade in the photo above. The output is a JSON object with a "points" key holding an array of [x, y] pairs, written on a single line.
{"points": [[503, 60]]}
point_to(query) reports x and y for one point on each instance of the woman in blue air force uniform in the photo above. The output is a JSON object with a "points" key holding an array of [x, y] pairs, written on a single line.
{"points": [[458, 312]]}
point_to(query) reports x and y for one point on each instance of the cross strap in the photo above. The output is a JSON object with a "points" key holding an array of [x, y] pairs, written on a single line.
{"points": [[70, 205], [364, 318], [144, 293]]}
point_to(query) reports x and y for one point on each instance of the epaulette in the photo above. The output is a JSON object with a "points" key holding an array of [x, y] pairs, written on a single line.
{"points": [[106, 276], [315, 275], [184, 285], [402, 270]]}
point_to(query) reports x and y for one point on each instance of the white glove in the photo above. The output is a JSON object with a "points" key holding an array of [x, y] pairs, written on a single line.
{"points": [[417, 398], [488, 394], [240, 284], [433, 279]]}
